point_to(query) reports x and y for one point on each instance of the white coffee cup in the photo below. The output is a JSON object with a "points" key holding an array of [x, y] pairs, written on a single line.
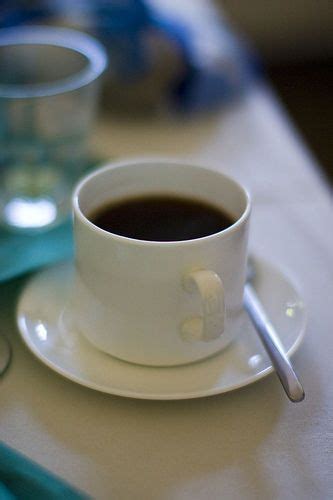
{"points": [[158, 303]]}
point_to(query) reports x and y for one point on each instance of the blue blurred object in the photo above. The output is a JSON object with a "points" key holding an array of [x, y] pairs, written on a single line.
{"points": [[181, 55], [23, 12], [219, 64], [117, 23]]}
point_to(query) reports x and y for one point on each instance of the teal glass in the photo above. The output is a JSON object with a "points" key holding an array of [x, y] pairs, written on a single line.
{"points": [[49, 85]]}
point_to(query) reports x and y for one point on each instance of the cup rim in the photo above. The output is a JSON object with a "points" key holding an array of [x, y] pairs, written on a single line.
{"points": [[150, 160], [66, 38]]}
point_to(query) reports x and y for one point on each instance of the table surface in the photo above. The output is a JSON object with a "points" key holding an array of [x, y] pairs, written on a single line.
{"points": [[251, 443]]}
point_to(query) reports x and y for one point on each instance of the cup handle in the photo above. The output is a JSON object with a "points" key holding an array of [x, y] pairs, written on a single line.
{"points": [[210, 325]]}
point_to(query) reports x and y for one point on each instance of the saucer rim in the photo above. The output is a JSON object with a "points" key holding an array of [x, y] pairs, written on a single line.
{"points": [[26, 337]]}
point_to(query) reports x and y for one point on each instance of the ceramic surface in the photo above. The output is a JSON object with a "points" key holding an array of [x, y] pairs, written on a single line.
{"points": [[159, 303], [47, 332]]}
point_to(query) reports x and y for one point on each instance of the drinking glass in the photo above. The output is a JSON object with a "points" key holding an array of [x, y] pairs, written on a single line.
{"points": [[49, 82]]}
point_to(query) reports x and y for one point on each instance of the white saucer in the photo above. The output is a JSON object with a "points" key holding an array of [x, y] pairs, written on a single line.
{"points": [[243, 362]]}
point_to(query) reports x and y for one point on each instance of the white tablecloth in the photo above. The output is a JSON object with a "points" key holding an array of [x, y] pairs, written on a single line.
{"points": [[252, 443]]}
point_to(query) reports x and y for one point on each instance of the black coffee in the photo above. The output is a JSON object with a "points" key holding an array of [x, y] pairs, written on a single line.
{"points": [[161, 218]]}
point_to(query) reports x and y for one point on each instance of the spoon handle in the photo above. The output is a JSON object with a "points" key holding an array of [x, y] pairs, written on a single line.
{"points": [[272, 344]]}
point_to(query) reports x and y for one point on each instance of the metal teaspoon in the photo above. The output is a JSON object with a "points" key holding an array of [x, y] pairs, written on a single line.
{"points": [[271, 341]]}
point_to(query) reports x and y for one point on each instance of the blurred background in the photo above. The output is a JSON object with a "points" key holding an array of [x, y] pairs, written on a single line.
{"points": [[295, 41], [161, 75], [188, 56]]}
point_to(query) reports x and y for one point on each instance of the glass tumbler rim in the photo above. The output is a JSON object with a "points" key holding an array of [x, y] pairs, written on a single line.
{"points": [[66, 38]]}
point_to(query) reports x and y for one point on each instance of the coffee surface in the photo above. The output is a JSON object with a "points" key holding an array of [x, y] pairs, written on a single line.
{"points": [[161, 218]]}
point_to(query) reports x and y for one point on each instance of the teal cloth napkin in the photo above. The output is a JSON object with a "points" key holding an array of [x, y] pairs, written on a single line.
{"points": [[20, 478], [20, 253]]}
